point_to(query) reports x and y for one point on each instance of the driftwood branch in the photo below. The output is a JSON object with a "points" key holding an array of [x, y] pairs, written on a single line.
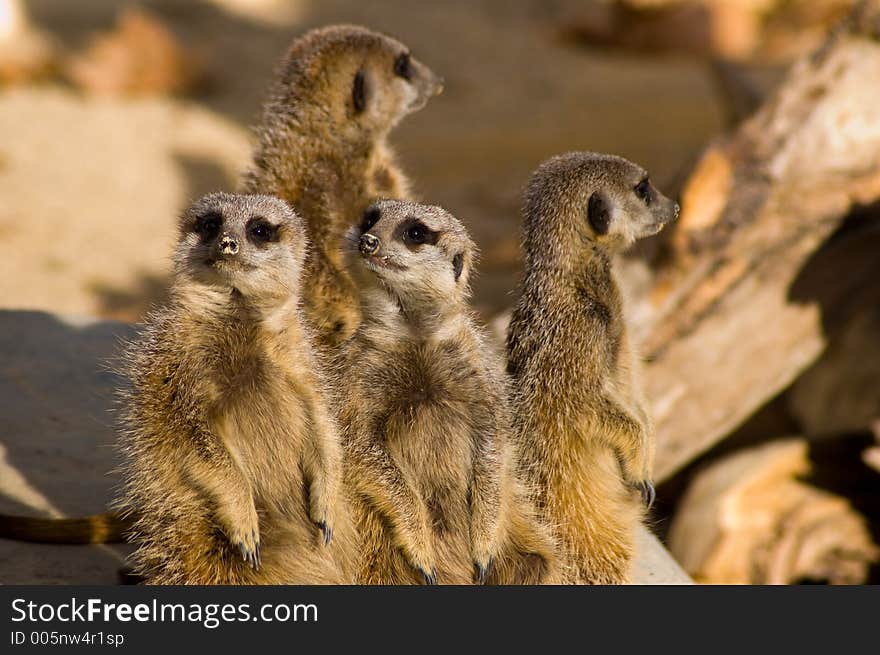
{"points": [[730, 325], [748, 520]]}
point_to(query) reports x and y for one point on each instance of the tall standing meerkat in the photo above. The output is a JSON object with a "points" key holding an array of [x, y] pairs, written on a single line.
{"points": [[323, 147], [427, 458], [580, 420], [232, 460]]}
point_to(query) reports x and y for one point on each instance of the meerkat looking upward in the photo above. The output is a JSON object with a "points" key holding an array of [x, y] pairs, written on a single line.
{"points": [[322, 147], [424, 415], [581, 424], [232, 459]]}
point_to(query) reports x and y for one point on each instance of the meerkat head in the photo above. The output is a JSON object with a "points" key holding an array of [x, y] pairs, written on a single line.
{"points": [[364, 82], [252, 244], [419, 255], [593, 200]]}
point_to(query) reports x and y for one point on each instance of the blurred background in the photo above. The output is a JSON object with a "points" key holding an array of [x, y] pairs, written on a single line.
{"points": [[115, 115]]}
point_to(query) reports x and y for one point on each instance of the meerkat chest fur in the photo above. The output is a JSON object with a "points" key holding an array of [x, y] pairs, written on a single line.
{"points": [[256, 391], [425, 399]]}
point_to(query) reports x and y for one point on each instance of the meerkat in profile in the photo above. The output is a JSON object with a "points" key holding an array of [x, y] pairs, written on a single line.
{"points": [[323, 147], [580, 420], [232, 460], [423, 411]]}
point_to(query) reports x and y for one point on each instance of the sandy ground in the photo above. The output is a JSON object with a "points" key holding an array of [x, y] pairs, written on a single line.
{"points": [[90, 189]]}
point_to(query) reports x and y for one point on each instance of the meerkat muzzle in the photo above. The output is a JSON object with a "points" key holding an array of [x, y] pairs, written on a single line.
{"points": [[369, 244], [228, 245]]}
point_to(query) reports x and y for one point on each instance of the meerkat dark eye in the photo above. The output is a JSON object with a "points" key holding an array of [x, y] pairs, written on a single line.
{"points": [[208, 225], [261, 231], [416, 234], [403, 66], [643, 191], [359, 92], [371, 217]]}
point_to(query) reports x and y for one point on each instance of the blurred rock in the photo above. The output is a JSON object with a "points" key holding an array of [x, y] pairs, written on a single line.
{"points": [[140, 56], [26, 53]]}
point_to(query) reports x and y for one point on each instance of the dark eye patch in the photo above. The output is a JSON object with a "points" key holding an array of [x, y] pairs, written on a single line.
{"points": [[458, 265], [208, 225], [370, 218], [260, 231], [403, 66], [414, 233], [644, 191], [359, 92], [598, 213]]}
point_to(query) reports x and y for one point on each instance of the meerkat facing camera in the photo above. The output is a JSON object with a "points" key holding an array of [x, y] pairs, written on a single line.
{"points": [[581, 422], [427, 459], [323, 147], [232, 460]]}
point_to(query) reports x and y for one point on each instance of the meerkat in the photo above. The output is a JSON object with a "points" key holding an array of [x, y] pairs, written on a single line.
{"points": [[232, 459], [426, 455], [323, 147], [580, 419]]}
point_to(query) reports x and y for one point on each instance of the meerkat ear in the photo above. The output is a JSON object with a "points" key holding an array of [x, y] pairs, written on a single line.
{"points": [[599, 213], [359, 92], [458, 265]]}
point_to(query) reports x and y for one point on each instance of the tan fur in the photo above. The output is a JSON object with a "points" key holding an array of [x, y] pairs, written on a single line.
{"points": [[427, 456], [230, 450], [581, 424], [329, 158]]}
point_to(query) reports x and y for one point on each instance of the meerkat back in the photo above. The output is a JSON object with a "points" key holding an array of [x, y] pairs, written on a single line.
{"points": [[322, 146], [232, 461], [580, 422]]}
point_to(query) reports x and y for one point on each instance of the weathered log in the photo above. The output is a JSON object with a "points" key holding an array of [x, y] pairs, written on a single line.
{"points": [[728, 326], [748, 520]]}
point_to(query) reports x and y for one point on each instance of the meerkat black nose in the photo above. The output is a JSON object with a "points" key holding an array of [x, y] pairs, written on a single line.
{"points": [[228, 245], [369, 244]]}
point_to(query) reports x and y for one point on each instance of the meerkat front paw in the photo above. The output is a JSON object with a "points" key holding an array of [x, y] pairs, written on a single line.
{"points": [[483, 553], [635, 474], [322, 516], [482, 568], [422, 560], [244, 533]]}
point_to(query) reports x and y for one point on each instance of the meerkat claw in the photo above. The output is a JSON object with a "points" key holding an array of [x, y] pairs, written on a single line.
{"points": [[251, 555], [430, 578], [483, 571], [327, 531], [646, 489]]}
